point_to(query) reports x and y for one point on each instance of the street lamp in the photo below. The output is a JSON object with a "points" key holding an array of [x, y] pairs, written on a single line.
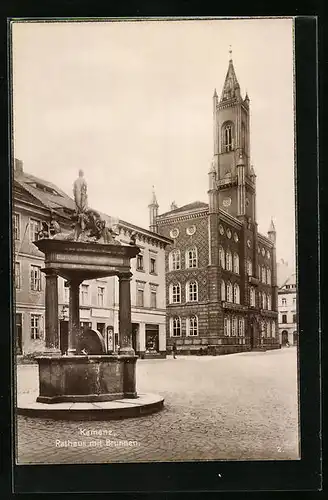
{"points": [[109, 339]]}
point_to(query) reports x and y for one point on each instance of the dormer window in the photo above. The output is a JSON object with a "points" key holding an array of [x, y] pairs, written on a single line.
{"points": [[43, 187], [227, 137]]}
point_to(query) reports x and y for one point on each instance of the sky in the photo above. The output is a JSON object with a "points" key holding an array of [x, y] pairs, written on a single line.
{"points": [[131, 104]]}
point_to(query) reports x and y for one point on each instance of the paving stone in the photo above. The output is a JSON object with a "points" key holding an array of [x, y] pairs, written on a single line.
{"points": [[235, 407]]}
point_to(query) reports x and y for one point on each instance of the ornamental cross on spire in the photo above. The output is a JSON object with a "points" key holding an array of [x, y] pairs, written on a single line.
{"points": [[230, 52]]}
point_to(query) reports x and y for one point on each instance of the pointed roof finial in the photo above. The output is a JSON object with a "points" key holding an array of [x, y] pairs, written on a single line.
{"points": [[215, 93], [230, 53], [212, 168], [272, 228], [231, 88], [153, 199]]}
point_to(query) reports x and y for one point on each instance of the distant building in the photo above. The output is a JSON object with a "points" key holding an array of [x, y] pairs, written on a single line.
{"points": [[36, 202], [221, 285], [287, 306]]}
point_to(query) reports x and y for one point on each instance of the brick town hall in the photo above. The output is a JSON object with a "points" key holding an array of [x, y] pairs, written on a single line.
{"points": [[221, 289]]}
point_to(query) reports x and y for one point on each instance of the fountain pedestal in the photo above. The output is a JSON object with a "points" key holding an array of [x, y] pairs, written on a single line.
{"points": [[85, 378], [80, 385]]}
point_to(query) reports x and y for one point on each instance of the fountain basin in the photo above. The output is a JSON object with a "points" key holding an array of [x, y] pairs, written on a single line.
{"points": [[87, 378]]}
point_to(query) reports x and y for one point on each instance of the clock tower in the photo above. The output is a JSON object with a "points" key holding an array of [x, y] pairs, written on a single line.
{"points": [[231, 172]]}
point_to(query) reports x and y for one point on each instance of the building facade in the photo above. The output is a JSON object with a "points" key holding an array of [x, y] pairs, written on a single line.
{"points": [[287, 306], [36, 202], [221, 282]]}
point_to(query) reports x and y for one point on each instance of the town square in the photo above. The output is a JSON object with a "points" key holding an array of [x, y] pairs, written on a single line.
{"points": [[226, 415], [155, 289]]}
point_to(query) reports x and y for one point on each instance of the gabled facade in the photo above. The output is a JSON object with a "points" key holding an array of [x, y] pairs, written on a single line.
{"points": [[221, 284]]}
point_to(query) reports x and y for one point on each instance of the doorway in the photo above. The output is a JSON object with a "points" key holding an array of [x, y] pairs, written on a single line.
{"points": [[152, 338], [63, 336], [101, 328], [18, 333], [253, 334], [284, 337]]}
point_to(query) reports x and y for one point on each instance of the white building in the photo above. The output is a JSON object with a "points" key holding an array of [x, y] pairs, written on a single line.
{"points": [[287, 308]]}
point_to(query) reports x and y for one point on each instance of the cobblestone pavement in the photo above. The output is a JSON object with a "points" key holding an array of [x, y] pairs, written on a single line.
{"points": [[234, 407]]}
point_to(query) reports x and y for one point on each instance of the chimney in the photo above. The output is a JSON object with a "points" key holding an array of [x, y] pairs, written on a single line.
{"points": [[18, 166], [174, 206]]}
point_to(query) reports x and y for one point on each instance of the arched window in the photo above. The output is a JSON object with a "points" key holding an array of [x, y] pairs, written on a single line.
{"points": [[227, 326], [263, 274], [229, 292], [228, 261], [259, 272], [175, 260], [252, 296], [264, 301], [236, 263], [175, 293], [268, 329], [227, 137], [192, 291], [223, 291], [263, 329], [175, 326], [191, 258], [222, 257], [249, 267], [268, 276], [192, 326], [243, 136], [236, 294], [234, 327], [269, 304], [241, 327], [273, 329], [260, 300]]}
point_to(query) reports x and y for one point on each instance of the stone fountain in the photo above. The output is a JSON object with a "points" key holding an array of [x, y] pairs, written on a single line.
{"points": [[89, 384]]}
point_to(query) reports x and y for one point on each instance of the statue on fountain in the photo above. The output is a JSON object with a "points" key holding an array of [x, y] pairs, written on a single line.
{"points": [[88, 226], [80, 193]]}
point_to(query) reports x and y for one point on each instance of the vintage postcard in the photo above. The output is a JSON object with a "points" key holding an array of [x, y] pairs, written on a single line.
{"points": [[155, 283]]}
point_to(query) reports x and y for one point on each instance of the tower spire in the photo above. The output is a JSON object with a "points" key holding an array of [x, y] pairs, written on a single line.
{"points": [[153, 198], [153, 212], [272, 232], [231, 87]]}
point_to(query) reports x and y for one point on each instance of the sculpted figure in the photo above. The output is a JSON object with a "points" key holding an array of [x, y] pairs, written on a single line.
{"points": [[80, 193], [107, 234], [87, 223], [133, 238], [44, 231], [54, 227]]}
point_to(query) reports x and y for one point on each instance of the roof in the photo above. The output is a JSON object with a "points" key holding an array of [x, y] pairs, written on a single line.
{"points": [[230, 84], [285, 273], [291, 280], [54, 198], [196, 205]]}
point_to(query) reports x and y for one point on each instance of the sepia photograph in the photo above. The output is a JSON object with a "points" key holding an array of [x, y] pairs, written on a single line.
{"points": [[154, 256]]}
